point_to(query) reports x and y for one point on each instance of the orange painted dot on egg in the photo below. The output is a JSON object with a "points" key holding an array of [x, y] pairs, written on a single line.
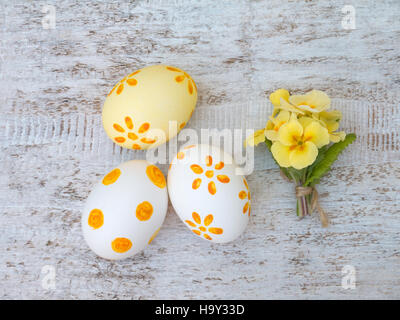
{"points": [[223, 178], [208, 161], [120, 139], [174, 69], [135, 146], [209, 173], [211, 188], [202, 228], [180, 155], [197, 232], [120, 88], [196, 217], [179, 78], [112, 90], [190, 223], [128, 122], [196, 169], [96, 218], [215, 230], [196, 183], [156, 176], [132, 136], [190, 87], [154, 235], [132, 82], [242, 195], [144, 211], [182, 125], [207, 236], [133, 73], [121, 245], [144, 127], [246, 207], [245, 183], [219, 166], [111, 177], [147, 140], [118, 127], [208, 220]]}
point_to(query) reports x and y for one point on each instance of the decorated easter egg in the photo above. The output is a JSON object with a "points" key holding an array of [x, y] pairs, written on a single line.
{"points": [[149, 106], [125, 210], [209, 193]]}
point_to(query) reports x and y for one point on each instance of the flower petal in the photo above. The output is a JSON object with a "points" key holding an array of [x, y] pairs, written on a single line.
{"points": [[337, 136], [283, 115], [314, 101], [333, 115], [287, 106], [269, 125], [275, 97], [305, 121], [303, 155], [256, 138], [281, 154], [271, 135], [290, 132], [316, 134], [332, 125], [308, 108]]}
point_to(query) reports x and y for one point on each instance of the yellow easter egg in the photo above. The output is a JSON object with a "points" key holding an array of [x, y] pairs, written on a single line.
{"points": [[149, 106]]}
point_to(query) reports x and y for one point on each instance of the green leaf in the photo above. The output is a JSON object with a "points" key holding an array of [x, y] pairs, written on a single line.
{"points": [[328, 158], [284, 170], [320, 157]]}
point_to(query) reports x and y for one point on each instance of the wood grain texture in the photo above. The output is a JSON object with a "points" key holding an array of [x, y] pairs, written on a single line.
{"points": [[52, 86]]}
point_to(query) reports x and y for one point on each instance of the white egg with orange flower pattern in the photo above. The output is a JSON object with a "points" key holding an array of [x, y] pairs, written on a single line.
{"points": [[208, 193], [125, 210], [149, 106]]}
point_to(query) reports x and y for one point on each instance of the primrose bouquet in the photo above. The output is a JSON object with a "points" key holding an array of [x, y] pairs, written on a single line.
{"points": [[304, 140]]}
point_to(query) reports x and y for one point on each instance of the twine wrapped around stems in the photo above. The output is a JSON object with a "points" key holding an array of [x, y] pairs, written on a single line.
{"points": [[305, 191], [302, 192]]}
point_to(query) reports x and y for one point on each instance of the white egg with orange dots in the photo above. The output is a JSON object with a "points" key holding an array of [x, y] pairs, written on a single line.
{"points": [[149, 106], [209, 193], [125, 210]]}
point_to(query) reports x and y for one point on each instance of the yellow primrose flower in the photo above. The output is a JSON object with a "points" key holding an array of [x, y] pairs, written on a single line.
{"points": [[274, 124], [289, 107], [330, 120], [276, 96], [313, 101], [256, 138], [298, 142]]}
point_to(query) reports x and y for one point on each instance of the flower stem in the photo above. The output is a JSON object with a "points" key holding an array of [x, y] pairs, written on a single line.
{"points": [[303, 202]]}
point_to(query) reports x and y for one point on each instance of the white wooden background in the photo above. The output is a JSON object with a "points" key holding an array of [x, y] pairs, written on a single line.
{"points": [[53, 149]]}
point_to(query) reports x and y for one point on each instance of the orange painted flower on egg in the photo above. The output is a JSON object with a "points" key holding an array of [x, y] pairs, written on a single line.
{"points": [[245, 195], [201, 229], [128, 80], [181, 78], [197, 169], [128, 133]]}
